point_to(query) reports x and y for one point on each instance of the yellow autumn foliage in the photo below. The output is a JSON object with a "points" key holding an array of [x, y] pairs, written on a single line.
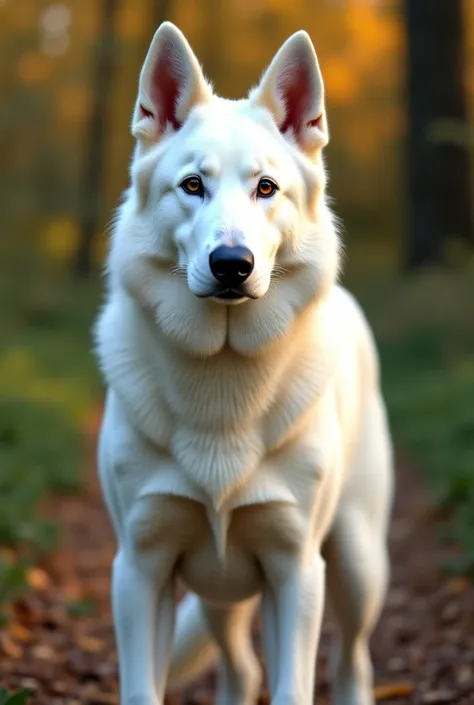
{"points": [[60, 237], [34, 68], [131, 21], [360, 45], [73, 103], [341, 80]]}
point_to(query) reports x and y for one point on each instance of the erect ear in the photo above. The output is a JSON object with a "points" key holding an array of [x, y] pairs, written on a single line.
{"points": [[171, 83], [292, 90]]}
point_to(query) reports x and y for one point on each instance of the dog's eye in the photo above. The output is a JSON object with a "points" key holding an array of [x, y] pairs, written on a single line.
{"points": [[193, 185], [266, 188]]}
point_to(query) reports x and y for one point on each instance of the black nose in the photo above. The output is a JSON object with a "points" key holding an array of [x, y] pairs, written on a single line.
{"points": [[231, 266]]}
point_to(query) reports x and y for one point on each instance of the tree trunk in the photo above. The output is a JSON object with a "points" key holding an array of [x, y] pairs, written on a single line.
{"points": [[212, 44], [162, 11], [95, 139], [438, 195]]}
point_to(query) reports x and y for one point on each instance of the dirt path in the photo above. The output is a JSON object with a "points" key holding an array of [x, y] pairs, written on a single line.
{"points": [[423, 649]]}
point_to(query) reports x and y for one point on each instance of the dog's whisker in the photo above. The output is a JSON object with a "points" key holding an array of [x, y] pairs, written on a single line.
{"points": [[200, 281], [276, 277], [278, 271], [178, 271]]}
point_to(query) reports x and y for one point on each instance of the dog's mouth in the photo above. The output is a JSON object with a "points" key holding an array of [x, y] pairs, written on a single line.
{"points": [[228, 295], [231, 295]]}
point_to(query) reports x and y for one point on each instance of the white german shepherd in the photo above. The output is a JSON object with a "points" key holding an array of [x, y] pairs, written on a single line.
{"points": [[244, 434]]}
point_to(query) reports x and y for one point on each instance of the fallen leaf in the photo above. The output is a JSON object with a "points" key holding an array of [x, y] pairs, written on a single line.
{"points": [[97, 698], [393, 690], [397, 597], [202, 697], [37, 578], [456, 586], [9, 648], [396, 664], [417, 656], [438, 697], [43, 652], [90, 644], [20, 633], [59, 687], [29, 683], [74, 591], [450, 613], [7, 555], [464, 674]]}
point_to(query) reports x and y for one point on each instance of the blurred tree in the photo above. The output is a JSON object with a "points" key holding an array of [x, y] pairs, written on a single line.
{"points": [[162, 11], [96, 134], [213, 42], [439, 205]]}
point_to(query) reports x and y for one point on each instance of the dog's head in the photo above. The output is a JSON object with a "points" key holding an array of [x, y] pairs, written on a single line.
{"points": [[227, 197]]}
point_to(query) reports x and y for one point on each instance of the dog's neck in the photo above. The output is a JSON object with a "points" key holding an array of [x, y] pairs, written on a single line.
{"points": [[219, 415]]}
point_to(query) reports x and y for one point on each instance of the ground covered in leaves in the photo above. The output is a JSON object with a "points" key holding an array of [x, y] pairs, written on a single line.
{"points": [[58, 641]]}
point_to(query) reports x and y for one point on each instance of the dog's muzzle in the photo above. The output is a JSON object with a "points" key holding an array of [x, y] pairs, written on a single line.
{"points": [[231, 267]]}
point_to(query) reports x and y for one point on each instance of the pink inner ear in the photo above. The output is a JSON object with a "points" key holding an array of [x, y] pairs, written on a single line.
{"points": [[167, 86], [145, 112], [316, 122], [295, 88]]}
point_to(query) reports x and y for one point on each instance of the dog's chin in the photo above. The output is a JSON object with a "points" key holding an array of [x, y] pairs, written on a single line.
{"points": [[234, 300]]}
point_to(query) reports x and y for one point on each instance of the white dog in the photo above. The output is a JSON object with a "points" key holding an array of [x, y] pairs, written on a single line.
{"points": [[244, 435]]}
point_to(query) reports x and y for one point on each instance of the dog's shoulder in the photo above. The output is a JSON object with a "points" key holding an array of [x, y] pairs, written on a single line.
{"points": [[132, 365], [345, 312]]}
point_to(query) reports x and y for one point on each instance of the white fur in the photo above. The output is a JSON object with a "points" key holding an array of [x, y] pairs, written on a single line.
{"points": [[240, 443]]}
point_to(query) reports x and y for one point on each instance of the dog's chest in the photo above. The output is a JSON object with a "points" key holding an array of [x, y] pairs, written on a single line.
{"points": [[214, 421], [218, 419], [229, 575], [221, 393], [216, 411]]}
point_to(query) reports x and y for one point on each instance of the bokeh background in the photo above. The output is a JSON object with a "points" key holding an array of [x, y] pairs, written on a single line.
{"points": [[400, 95]]}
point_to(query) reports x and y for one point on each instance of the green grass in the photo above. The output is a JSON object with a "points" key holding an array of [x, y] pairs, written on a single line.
{"points": [[425, 331], [432, 413], [19, 698], [48, 389]]}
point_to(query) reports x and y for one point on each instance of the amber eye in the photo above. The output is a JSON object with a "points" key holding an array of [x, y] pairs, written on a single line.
{"points": [[266, 188], [193, 185]]}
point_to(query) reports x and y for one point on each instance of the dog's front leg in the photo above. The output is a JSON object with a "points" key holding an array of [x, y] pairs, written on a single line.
{"points": [[298, 600], [164, 633], [137, 589]]}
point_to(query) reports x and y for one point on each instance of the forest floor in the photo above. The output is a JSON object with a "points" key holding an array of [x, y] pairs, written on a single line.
{"points": [[59, 640]]}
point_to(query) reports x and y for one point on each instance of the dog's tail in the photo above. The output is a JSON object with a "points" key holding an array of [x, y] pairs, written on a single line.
{"points": [[194, 650]]}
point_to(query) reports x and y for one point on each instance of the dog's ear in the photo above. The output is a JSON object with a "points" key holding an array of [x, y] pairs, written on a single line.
{"points": [[171, 83], [292, 90]]}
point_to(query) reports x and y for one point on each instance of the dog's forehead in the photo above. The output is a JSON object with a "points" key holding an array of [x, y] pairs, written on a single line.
{"points": [[226, 133]]}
